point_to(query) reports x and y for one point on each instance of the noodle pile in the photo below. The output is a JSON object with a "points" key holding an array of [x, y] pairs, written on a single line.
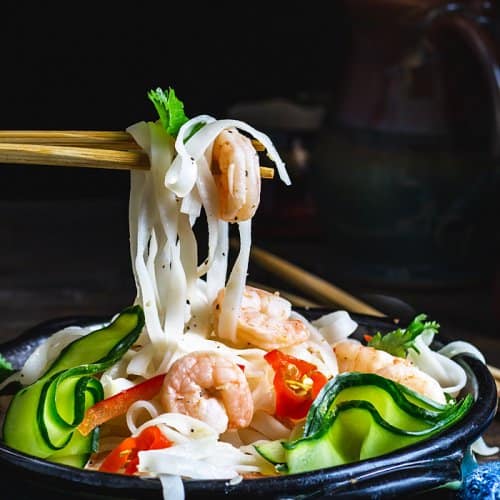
{"points": [[177, 294]]}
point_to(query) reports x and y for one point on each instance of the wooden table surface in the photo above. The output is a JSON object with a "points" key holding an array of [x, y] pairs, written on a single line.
{"points": [[71, 258]]}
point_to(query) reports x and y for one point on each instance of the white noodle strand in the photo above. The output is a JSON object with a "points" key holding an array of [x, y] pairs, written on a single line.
{"points": [[236, 285], [135, 410]]}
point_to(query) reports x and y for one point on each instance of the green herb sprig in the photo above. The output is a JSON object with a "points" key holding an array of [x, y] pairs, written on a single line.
{"points": [[170, 109], [400, 341]]}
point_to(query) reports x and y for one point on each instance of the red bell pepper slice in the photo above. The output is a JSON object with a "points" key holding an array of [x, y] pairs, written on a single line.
{"points": [[118, 404], [125, 457], [296, 383]]}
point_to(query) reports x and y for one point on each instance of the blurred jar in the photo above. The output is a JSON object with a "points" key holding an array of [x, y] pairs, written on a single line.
{"points": [[407, 176]]}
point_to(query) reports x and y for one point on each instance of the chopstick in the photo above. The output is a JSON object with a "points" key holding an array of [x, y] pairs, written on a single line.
{"points": [[496, 375], [78, 148], [324, 291], [316, 287], [72, 156], [95, 138], [295, 300], [72, 148]]}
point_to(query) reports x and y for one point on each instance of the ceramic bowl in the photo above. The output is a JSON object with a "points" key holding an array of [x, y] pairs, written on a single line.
{"points": [[435, 463]]}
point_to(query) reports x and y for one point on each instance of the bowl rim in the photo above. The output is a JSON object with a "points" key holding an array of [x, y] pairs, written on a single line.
{"points": [[448, 447]]}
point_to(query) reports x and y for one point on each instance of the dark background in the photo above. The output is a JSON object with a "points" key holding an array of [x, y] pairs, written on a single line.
{"points": [[85, 67]]}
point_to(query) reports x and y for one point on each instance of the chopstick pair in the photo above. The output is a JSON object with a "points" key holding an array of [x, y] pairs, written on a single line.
{"points": [[79, 148]]}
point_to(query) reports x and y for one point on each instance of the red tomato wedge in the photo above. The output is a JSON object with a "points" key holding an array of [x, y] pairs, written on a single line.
{"points": [[118, 404], [296, 383]]}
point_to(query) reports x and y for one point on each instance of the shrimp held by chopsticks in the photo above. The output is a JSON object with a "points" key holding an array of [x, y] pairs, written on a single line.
{"points": [[236, 171]]}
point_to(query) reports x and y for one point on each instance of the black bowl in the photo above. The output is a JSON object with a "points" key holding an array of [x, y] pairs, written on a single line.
{"points": [[412, 471]]}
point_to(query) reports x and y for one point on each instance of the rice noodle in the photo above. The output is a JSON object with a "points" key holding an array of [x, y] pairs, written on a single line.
{"points": [[480, 447], [135, 409], [269, 426], [450, 375], [236, 285], [172, 487], [41, 358], [460, 347], [163, 246], [335, 326], [317, 350], [114, 385]]}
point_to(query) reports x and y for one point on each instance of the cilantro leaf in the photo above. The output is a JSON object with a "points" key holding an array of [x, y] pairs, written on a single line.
{"points": [[399, 341], [170, 109], [6, 368]]}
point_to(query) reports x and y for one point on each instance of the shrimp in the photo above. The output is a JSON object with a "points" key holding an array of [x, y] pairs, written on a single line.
{"points": [[210, 387], [354, 356], [236, 171], [264, 320]]}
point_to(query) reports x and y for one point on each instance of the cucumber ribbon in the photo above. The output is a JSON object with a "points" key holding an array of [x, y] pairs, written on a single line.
{"points": [[42, 418], [358, 416]]}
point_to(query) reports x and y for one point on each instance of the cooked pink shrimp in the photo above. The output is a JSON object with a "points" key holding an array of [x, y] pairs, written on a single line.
{"points": [[352, 356], [210, 387], [264, 320], [236, 171]]}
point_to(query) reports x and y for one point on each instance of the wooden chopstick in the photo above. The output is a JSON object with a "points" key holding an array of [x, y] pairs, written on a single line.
{"points": [[120, 140], [496, 375], [316, 287], [295, 300], [78, 148], [72, 148], [72, 156], [323, 291]]}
